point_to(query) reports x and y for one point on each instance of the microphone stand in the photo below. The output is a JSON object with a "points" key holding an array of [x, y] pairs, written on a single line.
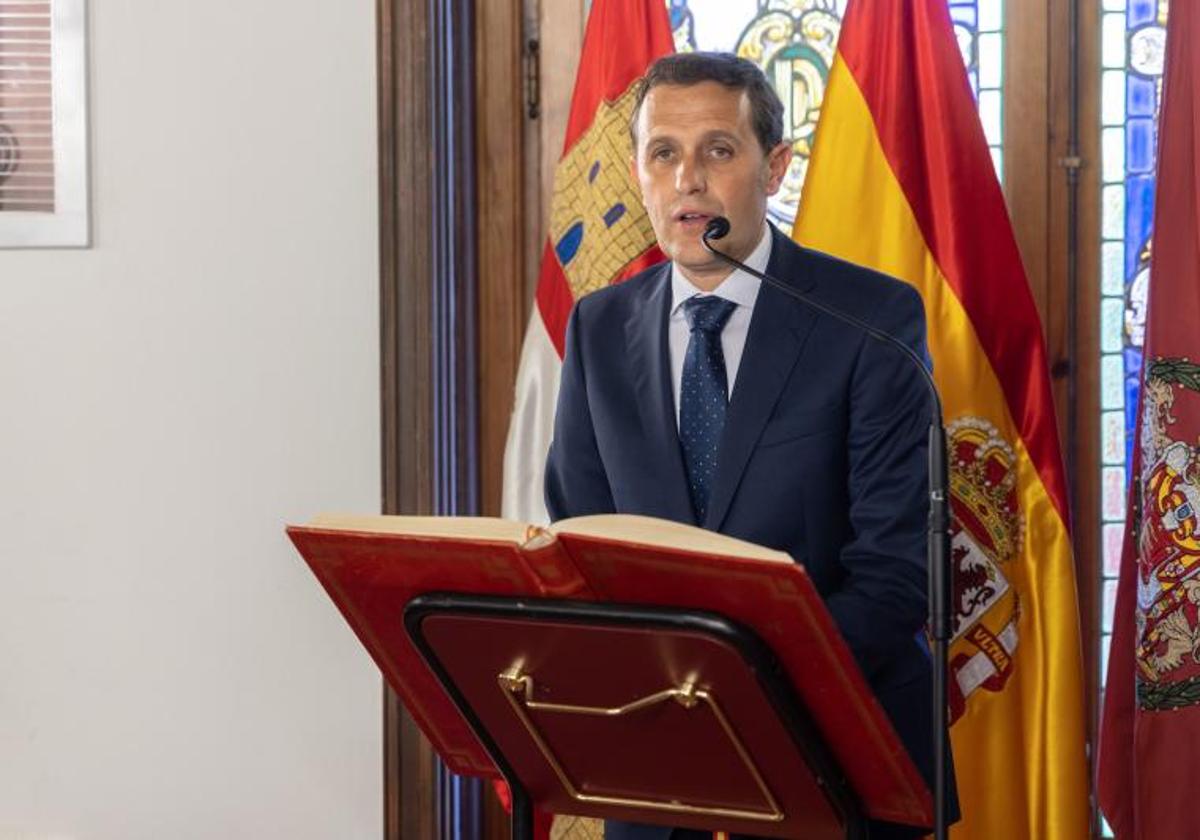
{"points": [[938, 532]]}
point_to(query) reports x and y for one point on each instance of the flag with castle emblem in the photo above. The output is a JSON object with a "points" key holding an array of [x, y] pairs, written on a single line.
{"points": [[1150, 735], [599, 232], [901, 181]]}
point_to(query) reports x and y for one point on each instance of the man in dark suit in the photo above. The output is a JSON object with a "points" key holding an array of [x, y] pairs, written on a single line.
{"points": [[694, 393]]}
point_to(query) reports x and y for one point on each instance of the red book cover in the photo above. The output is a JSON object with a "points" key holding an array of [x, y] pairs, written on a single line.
{"points": [[371, 575]]}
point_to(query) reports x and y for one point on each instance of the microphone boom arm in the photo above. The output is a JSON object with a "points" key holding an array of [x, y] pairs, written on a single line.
{"points": [[940, 571]]}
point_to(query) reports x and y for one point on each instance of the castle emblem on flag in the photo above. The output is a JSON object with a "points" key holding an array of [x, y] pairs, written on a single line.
{"points": [[1168, 582], [987, 537], [597, 224]]}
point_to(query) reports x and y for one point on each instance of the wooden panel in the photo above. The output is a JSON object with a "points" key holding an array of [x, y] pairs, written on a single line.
{"points": [[500, 106], [404, 190], [1027, 152], [1083, 441], [405, 385]]}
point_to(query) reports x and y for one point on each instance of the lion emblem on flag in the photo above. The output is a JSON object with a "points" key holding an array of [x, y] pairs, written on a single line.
{"points": [[986, 537]]}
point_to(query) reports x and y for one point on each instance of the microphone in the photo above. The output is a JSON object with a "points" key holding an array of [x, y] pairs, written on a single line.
{"points": [[938, 532]]}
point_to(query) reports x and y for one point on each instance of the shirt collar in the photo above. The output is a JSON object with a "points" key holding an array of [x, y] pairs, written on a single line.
{"points": [[739, 287]]}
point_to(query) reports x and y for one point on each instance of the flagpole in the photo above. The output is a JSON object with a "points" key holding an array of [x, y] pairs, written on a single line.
{"points": [[940, 574]]}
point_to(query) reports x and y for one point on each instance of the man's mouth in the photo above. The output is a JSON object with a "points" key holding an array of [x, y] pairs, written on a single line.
{"points": [[690, 218]]}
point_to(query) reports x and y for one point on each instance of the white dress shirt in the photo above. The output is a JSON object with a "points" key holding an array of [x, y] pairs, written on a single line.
{"points": [[739, 287]]}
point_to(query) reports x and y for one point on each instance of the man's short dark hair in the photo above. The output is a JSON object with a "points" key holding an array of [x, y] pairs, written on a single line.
{"points": [[726, 69]]}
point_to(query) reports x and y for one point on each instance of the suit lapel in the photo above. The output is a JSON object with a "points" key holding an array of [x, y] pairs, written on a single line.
{"points": [[650, 361], [778, 329]]}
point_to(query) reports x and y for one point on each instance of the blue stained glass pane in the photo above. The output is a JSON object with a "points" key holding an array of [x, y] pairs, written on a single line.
{"points": [[1139, 144], [1139, 210], [1114, 5], [1112, 378], [679, 13], [1142, 11], [1112, 211], [1112, 155], [1112, 40], [1112, 278], [1112, 325], [973, 78], [1105, 829], [1142, 97], [991, 15], [1133, 375], [991, 57], [1112, 97]]}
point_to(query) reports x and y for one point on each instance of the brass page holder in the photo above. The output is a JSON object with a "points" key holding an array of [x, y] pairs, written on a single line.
{"points": [[518, 689]]}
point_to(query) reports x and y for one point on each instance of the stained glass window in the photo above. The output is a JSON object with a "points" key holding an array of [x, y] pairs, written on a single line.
{"points": [[794, 42], [1132, 47]]}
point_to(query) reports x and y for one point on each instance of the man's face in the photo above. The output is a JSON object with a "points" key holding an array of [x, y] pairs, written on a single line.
{"points": [[697, 157]]}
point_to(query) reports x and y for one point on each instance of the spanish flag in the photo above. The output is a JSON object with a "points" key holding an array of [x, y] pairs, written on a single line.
{"points": [[901, 181]]}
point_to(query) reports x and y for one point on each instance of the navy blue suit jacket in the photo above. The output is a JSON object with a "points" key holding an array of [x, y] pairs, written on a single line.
{"points": [[823, 455]]}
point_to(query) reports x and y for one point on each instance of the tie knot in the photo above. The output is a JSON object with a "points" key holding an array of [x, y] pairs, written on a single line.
{"points": [[708, 313]]}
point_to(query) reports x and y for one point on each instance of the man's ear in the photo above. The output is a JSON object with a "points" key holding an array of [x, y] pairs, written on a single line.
{"points": [[777, 166]]}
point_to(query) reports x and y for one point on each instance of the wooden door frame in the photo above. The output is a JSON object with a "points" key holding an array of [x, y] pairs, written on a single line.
{"points": [[428, 321]]}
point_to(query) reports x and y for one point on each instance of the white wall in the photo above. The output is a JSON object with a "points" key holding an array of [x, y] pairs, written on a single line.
{"points": [[168, 400]]}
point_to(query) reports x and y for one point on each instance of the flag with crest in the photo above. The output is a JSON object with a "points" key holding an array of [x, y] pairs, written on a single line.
{"points": [[1150, 734], [901, 181]]}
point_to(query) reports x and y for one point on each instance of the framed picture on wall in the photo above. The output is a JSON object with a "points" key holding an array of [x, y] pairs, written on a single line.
{"points": [[43, 124]]}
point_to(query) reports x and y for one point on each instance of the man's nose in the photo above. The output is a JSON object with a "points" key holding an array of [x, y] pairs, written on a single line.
{"points": [[690, 176]]}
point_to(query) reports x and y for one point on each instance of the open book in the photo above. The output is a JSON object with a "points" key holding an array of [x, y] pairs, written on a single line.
{"points": [[372, 566]]}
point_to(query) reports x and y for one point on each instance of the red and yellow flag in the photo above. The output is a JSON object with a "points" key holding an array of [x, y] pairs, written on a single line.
{"points": [[599, 232], [1150, 737], [901, 181]]}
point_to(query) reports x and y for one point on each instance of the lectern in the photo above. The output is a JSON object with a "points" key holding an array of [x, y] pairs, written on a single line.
{"points": [[638, 671]]}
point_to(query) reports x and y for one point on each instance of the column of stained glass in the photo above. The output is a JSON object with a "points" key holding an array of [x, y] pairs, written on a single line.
{"points": [[979, 28], [794, 42], [1133, 37]]}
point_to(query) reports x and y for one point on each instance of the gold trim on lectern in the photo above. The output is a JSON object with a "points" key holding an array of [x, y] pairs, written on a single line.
{"points": [[518, 688]]}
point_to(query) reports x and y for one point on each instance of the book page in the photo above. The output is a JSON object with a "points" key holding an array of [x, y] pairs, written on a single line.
{"points": [[489, 528], [662, 533]]}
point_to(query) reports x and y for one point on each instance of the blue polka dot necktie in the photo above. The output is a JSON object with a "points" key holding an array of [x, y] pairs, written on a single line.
{"points": [[703, 394]]}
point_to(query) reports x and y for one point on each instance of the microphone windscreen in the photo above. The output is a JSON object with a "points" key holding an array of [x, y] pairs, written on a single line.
{"points": [[717, 228]]}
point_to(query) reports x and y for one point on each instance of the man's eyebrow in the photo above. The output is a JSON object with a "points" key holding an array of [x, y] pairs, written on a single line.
{"points": [[708, 136], [721, 134]]}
